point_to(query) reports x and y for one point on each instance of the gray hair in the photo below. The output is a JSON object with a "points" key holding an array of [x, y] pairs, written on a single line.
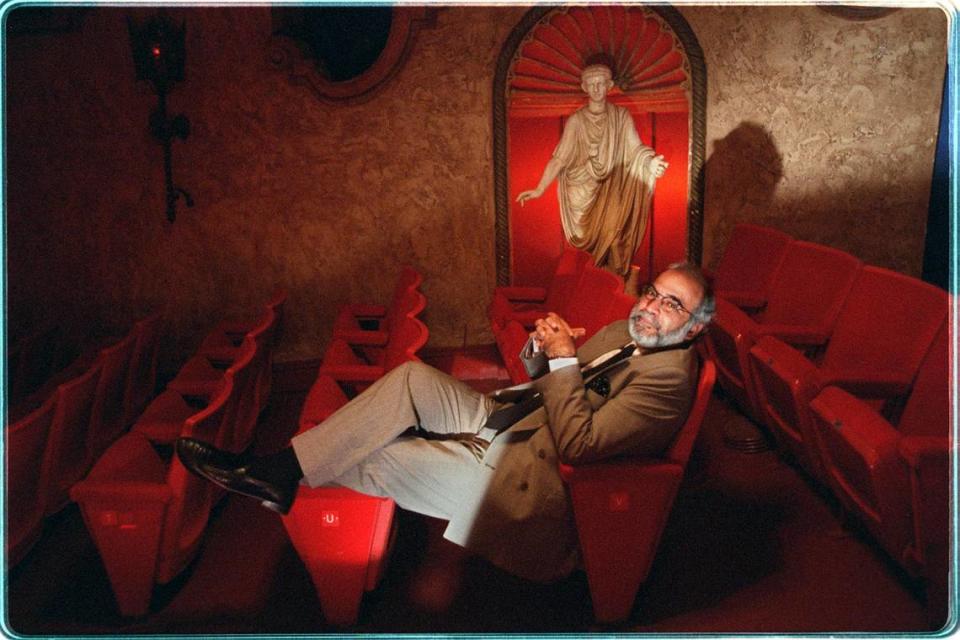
{"points": [[708, 305]]}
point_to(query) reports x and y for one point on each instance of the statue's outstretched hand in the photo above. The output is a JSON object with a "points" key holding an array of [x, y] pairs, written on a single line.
{"points": [[528, 195], [659, 166]]}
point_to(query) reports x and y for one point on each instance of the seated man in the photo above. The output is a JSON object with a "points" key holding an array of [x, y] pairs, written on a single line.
{"points": [[488, 464]]}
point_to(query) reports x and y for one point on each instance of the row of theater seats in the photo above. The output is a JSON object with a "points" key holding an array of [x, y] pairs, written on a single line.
{"points": [[146, 513], [56, 432], [343, 536], [847, 366], [584, 295], [370, 340]]}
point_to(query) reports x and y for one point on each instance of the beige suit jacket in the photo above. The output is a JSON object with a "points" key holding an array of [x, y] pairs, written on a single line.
{"points": [[524, 522]]}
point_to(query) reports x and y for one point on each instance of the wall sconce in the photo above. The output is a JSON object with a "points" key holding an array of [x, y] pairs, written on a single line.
{"points": [[159, 55]]}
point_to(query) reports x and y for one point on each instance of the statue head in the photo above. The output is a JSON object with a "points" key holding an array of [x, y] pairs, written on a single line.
{"points": [[596, 80]]}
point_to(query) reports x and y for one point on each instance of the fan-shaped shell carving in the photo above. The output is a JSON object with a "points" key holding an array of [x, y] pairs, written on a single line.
{"points": [[649, 65]]}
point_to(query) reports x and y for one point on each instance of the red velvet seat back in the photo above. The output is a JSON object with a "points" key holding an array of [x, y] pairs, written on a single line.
{"points": [[887, 323], [277, 303], [405, 340], [108, 417], [619, 308], [142, 373], [67, 456], [562, 284], [32, 360], [243, 407], [192, 497], [682, 446], [809, 286], [263, 337], [749, 259], [25, 443], [927, 412], [587, 306]]}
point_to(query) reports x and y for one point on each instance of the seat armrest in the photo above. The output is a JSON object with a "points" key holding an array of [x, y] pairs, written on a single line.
{"points": [[352, 373], [128, 492], [361, 337], [918, 451], [746, 300], [617, 469], [129, 470], [523, 294], [527, 318], [360, 310], [867, 383], [789, 363], [234, 329], [798, 335]]}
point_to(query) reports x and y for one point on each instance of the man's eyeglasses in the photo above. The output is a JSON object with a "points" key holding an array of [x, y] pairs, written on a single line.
{"points": [[670, 304]]}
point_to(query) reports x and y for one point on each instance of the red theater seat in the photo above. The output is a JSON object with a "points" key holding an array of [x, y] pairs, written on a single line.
{"points": [[883, 331], [108, 415], [369, 324], [201, 374], [163, 419], [893, 477], [147, 516], [748, 262], [31, 361], [342, 536], [526, 304], [26, 440], [67, 459], [621, 507], [342, 364], [803, 301], [221, 344], [597, 300], [142, 374]]}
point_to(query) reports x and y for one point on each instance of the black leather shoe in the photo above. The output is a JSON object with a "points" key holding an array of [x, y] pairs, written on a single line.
{"points": [[234, 473]]}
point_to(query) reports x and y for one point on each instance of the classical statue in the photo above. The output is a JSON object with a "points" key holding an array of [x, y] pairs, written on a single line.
{"points": [[606, 176]]}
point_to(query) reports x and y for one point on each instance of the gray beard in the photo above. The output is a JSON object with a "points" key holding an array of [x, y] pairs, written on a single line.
{"points": [[661, 339]]}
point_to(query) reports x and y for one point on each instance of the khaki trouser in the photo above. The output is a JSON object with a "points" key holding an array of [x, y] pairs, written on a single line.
{"points": [[364, 446]]}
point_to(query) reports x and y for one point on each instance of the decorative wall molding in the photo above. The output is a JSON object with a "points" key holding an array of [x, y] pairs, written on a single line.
{"points": [[288, 55]]}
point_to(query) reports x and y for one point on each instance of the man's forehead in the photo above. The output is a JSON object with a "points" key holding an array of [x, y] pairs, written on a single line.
{"points": [[679, 285]]}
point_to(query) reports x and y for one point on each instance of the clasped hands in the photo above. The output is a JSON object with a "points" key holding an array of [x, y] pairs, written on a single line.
{"points": [[554, 337]]}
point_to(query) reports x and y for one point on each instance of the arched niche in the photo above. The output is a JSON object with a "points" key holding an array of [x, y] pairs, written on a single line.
{"points": [[660, 68]]}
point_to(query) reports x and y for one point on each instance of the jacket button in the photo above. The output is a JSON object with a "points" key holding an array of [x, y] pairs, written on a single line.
{"points": [[523, 486], [541, 454]]}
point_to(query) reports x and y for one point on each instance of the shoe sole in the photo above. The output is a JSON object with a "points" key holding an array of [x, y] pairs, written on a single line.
{"points": [[269, 504]]}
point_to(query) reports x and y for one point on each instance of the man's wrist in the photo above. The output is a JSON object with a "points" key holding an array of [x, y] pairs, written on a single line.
{"points": [[560, 362]]}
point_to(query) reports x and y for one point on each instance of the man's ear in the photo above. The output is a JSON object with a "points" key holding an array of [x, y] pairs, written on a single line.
{"points": [[695, 330]]}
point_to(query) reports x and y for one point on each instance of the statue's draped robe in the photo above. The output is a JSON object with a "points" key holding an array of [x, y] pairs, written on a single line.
{"points": [[606, 185]]}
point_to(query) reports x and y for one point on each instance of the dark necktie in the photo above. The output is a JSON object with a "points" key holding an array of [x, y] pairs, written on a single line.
{"points": [[503, 418]]}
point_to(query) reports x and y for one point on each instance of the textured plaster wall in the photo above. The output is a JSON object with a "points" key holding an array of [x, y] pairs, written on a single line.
{"points": [[816, 125], [823, 127], [324, 200]]}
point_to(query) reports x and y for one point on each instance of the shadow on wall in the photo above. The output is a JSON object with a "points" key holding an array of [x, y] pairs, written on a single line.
{"points": [[863, 212], [742, 173]]}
